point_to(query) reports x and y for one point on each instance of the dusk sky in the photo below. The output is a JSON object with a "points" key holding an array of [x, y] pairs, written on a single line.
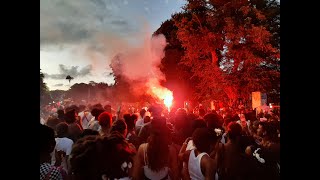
{"points": [[79, 37]]}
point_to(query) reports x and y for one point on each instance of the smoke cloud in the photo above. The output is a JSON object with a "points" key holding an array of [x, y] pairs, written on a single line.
{"points": [[141, 63], [140, 66]]}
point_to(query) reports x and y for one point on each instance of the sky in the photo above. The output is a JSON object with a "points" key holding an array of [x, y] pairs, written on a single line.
{"points": [[79, 37]]}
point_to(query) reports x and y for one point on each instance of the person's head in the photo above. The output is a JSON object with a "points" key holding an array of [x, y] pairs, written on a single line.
{"points": [[226, 121], [52, 122], [47, 142], [213, 121], [198, 123], [155, 110], [255, 126], [62, 130], [267, 130], [191, 117], [70, 116], [105, 120], [107, 108], [94, 157], [119, 126], [158, 142], [134, 117], [260, 130], [130, 121], [146, 119], [261, 115], [60, 113], [204, 139], [98, 106], [114, 118], [126, 116], [180, 118], [142, 112], [75, 107], [267, 115], [234, 130], [88, 132], [96, 112]]}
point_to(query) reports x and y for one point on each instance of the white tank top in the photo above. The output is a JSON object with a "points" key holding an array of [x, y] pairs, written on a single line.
{"points": [[162, 174], [194, 166]]}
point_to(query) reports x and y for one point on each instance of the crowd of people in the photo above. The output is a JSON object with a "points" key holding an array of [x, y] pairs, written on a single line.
{"points": [[82, 142]]}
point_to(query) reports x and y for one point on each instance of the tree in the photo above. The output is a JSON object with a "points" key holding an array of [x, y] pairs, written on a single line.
{"points": [[44, 90], [57, 95], [69, 78], [177, 75], [78, 91], [230, 47]]}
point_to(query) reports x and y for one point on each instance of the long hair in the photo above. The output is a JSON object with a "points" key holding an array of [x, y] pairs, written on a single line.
{"points": [[158, 145], [94, 156]]}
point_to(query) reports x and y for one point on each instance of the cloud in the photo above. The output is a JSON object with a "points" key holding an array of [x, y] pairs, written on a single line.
{"points": [[58, 85], [73, 22], [119, 22], [146, 9], [72, 71]]}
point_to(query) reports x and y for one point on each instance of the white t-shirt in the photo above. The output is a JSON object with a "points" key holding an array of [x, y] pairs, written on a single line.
{"points": [[85, 118], [94, 125], [63, 144], [139, 123]]}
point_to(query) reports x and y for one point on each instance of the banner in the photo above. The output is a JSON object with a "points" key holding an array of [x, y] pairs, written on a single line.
{"points": [[256, 100]]}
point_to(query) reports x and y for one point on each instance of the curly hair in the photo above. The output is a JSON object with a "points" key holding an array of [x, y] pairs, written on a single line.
{"points": [[203, 138], [119, 126], [213, 120], [234, 130], [94, 156]]}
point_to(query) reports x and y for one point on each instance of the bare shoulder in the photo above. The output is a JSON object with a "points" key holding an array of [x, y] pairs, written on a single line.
{"points": [[207, 161], [207, 158], [141, 149]]}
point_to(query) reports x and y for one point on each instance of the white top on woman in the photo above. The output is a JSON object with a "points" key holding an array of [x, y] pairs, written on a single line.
{"points": [[194, 166]]}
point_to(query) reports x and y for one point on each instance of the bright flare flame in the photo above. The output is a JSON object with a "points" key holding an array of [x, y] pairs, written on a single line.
{"points": [[168, 100], [161, 93]]}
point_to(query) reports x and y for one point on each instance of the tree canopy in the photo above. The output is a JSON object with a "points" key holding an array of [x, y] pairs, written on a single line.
{"points": [[229, 48], [44, 90]]}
